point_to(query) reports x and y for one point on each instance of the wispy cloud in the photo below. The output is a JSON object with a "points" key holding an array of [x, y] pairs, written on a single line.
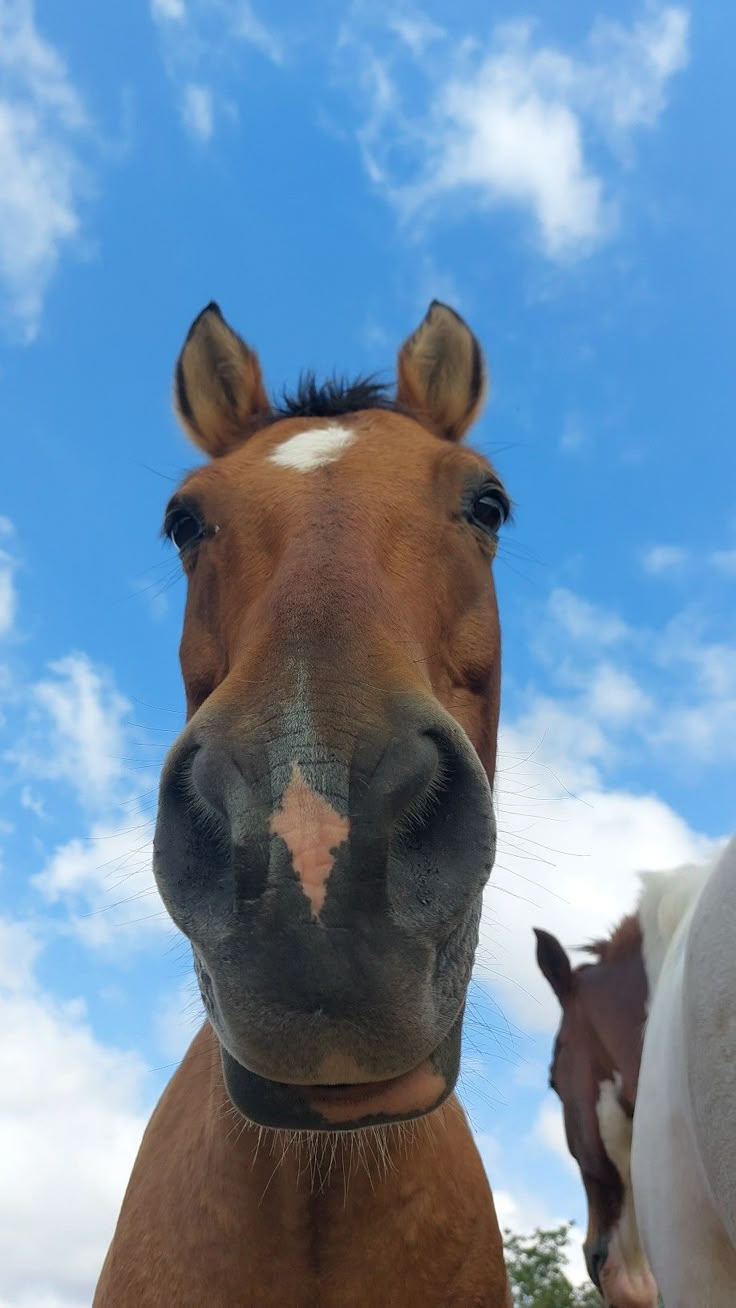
{"points": [[43, 123], [724, 561], [659, 559], [692, 707], [583, 621], [8, 567], [105, 882], [76, 731], [201, 41], [573, 438], [168, 10], [76, 739], [507, 122], [197, 111]]}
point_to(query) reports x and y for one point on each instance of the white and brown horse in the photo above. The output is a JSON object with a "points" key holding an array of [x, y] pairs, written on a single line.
{"points": [[325, 831], [645, 1066], [595, 1073]]}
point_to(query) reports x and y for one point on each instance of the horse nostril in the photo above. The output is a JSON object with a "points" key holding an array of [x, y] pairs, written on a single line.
{"points": [[403, 782], [596, 1263]]}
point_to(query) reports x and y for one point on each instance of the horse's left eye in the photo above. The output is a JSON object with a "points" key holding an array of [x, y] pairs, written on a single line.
{"points": [[490, 509], [184, 530]]}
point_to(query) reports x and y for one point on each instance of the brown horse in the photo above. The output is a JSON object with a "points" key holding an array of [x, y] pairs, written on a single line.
{"points": [[325, 831], [595, 1071]]}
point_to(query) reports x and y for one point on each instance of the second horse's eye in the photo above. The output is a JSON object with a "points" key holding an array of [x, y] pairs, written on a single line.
{"points": [[490, 509], [184, 530]]}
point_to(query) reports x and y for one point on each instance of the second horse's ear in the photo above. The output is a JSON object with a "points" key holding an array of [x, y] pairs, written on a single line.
{"points": [[218, 385], [441, 373], [554, 964]]}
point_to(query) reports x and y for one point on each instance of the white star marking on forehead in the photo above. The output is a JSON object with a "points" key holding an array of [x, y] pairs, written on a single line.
{"points": [[312, 449]]}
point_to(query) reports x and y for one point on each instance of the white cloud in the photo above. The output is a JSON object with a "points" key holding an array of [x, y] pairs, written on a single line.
{"points": [[178, 1017], [77, 737], [630, 70], [549, 1130], [168, 10], [522, 1211], [562, 740], [507, 122], [198, 111], [106, 882], [415, 30], [664, 558], [32, 803], [19, 949], [508, 140], [70, 1123], [247, 27], [571, 843], [8, 595], [583, 621], [573, 437], [203, 38], [42, 121], [724, 561], [76, 733], [700, 733], [614, 696], [570, 865], [692, 708]]}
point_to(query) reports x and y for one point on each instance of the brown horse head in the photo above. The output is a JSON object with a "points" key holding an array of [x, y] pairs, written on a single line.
{"points": [[594, 1072], [325, 827]]}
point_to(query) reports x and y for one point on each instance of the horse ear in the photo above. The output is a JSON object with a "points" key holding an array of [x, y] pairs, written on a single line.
{"points": [[554, 964], [441, 372], [218, 386]]}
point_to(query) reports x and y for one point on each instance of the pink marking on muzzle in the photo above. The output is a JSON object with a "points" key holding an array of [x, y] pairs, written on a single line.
{"points": [[312, 831]]}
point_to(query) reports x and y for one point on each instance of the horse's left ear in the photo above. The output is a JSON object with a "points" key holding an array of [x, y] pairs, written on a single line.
{"points": [[554, 964], [441, 372], [218, 385]]}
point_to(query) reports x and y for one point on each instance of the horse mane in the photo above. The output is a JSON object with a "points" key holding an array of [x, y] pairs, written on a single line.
{"points": [[625, 939], [665, 899], [333, 398]]}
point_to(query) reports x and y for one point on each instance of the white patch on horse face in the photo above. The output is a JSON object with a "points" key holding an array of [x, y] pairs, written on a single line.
{"points": [[626, 1277], [615, 1126], [312, 449]]}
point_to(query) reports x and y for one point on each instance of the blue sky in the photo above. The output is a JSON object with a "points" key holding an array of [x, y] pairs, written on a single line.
{"points": [[564, 176]]}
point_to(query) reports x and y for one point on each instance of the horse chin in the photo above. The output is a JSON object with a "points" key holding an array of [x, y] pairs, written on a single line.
{"points": [[346, 1107]]}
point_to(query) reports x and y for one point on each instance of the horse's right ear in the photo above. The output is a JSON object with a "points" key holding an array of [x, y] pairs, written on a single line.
{"points": [[554, 964], [218, 386]]}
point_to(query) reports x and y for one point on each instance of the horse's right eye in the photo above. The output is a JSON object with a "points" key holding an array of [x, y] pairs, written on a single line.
{"points": [[184, 530]]}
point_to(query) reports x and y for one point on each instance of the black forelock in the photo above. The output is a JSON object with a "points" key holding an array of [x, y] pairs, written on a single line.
{"points": [[333, 398]]}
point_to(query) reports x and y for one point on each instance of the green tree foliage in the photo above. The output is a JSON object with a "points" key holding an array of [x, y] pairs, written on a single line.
{"points": [[536, 1267]]}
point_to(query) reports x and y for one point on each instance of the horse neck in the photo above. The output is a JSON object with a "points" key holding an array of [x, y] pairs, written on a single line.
{"points": [[331, 1207]]}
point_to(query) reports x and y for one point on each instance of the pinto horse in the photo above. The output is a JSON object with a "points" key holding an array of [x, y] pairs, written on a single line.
{"points": [[595, 1073], [645, 1065], [324, 835], [683, 1156]]}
